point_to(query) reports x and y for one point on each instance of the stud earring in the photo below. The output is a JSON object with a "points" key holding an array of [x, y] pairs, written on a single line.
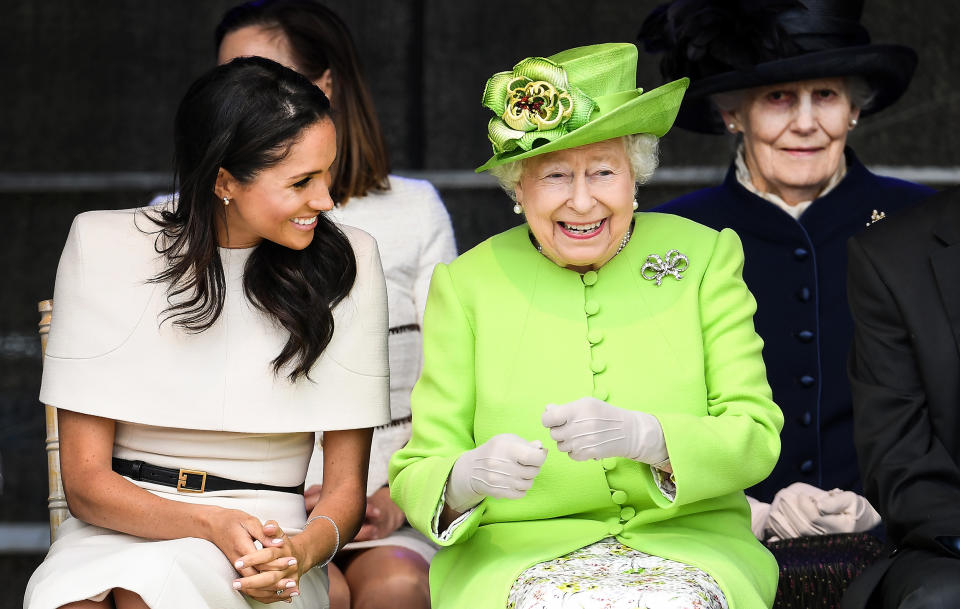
{"points": [[226, 201], [635, 205], [853, 123], [517, 209], [732, 127]]}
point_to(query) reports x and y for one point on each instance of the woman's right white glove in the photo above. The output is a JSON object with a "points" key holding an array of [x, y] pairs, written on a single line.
{"points": [[504, 466]]}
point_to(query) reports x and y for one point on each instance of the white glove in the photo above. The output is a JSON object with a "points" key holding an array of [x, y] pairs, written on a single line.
{"points": [[802, 509], [759, 513], [589, 428], [504, 466]]}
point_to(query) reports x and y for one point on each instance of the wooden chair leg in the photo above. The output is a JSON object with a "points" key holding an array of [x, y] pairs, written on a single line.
{"points": [[56, 501]]}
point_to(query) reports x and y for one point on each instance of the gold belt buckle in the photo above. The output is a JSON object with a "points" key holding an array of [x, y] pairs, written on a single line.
{"points": [[182, 481]]}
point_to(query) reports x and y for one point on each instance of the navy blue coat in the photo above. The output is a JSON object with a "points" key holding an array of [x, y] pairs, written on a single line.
{"points": [[797, 272]]}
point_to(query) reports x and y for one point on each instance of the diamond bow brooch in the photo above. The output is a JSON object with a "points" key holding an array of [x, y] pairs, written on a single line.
{"points": [[656, 268]]}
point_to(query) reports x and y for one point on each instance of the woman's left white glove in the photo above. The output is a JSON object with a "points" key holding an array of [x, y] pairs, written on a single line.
{"points": [[589, 428]]}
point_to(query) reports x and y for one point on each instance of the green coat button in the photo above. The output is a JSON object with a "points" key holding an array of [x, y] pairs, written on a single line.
{"points": [[591, 307], [616, 529], [589, 278], [609, 463], [595, 336], [627, 513], [619, 497], [598, 366]]}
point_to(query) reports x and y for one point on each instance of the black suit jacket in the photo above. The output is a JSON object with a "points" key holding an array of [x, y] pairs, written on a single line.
{"points": [[904, 293]]}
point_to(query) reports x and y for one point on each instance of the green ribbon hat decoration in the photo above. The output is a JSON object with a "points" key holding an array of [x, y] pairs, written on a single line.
{"points": [[574, 98]]}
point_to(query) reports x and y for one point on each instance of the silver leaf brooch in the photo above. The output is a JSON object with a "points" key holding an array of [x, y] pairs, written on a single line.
{"points": [[656, 268]]}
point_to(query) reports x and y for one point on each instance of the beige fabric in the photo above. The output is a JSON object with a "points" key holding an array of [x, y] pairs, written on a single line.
{"points": [[105, 333], [88, 561], [795, 211]]}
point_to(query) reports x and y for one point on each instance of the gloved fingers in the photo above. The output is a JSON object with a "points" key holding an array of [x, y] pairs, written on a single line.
{"points": [[503, 470], [597, 448], [836, 502], [834, 523], [531, 453], [555, 415], [503, 486]]}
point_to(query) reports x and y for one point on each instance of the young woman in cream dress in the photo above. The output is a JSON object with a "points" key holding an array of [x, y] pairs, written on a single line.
{"points": [[197, 348]]}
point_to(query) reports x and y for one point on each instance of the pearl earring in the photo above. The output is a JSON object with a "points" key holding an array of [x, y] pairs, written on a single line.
{"points": [[517, 209], [732, 127], [853, 123], [635, 205], [226, 201]]}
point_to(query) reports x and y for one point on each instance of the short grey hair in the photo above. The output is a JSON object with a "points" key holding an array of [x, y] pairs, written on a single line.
{"points": [[642, 149], [859, 90]]}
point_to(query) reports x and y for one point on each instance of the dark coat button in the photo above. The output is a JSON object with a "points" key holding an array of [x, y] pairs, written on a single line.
{"points": [[803, 295], [804, 336], [806, 467], [800, 254], [807, 381], [806, 419]]}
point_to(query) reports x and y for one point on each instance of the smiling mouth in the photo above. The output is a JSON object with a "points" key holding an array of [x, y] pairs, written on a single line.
{"points": [[582, 231], [304, 221]]}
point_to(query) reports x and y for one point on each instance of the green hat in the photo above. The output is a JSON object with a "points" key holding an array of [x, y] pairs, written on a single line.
{"points": [[576, 97]]}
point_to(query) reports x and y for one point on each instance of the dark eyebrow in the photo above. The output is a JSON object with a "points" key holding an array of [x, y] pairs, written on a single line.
{"points": [[305, 174]]}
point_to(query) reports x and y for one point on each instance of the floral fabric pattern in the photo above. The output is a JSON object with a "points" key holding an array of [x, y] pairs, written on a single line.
{"points": [[610, 575]]}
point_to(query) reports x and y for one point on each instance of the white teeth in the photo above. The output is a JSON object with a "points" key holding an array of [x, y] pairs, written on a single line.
{"points": [[305, 221], [582, 228]]}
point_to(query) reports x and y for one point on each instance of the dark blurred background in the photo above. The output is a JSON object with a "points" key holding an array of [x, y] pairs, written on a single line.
{"points": [[87, 96]]}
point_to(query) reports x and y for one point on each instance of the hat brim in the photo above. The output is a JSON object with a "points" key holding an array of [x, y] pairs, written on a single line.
{"points": [[652, 112], [887, 68]]}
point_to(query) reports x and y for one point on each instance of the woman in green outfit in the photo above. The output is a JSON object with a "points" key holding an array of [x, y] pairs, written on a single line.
{"points": [[593, 399]]}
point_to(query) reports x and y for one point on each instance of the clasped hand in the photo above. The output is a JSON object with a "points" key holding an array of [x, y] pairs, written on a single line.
{"points": [[505, 465], [589, 428], [277, 566]]}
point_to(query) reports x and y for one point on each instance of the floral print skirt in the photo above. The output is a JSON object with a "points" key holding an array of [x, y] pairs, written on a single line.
{"points": [[610, 575]]}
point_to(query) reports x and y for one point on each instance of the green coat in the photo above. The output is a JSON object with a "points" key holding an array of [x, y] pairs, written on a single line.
{"points": [[506, 332]]}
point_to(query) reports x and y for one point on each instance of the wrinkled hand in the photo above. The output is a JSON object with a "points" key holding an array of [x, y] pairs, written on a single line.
{"points": [[589, 428], [504, 467], [311, 497], [382, 518], [277, 567], [801, 509]]}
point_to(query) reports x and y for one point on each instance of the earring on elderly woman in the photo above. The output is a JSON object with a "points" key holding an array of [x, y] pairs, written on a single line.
{"points": [[853, 123], [732, 127], [518, 209], [226, 201], [635, 205]]}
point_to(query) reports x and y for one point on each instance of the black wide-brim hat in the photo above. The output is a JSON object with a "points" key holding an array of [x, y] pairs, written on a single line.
{"points": [[726, 45]]}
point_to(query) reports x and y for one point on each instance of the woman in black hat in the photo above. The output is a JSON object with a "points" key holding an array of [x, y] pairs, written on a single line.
{"points": [[791, 78]]}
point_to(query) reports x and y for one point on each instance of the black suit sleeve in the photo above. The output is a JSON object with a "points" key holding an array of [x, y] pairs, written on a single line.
{"points": [[908, 475]]}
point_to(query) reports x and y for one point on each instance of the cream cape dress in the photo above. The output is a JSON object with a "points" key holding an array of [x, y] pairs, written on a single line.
{"points": [[195, 401]]}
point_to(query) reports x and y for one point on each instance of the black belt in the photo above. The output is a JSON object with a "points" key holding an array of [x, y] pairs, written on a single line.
{"points": [[190, 480]]}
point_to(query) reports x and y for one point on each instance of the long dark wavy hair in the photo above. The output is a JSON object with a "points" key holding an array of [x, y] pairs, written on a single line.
{"points": [[319, 40], [244, 117]]}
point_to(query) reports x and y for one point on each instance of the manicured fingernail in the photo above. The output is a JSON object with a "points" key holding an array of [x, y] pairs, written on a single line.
{"points": [[277, 541], [292, 594], [238, 564], [292, 562], [289, 584], [236, 585]]}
